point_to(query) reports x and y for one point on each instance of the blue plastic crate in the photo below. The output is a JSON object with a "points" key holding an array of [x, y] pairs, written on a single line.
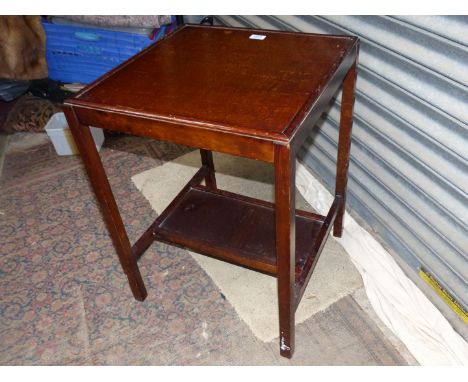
{"points": [[78, 54]]}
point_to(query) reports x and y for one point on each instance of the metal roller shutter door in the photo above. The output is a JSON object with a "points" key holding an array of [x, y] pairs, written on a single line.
{"points": [[409, 158]]}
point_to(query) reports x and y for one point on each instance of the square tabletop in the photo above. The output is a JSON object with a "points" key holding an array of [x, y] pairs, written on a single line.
{"points": [[249, 82]]}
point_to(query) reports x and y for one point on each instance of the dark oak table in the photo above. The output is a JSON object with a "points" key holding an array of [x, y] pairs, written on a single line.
{"points": [[250, 93]]}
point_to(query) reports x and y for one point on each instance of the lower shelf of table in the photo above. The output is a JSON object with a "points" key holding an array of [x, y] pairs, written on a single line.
{"points": [[236, 229]]}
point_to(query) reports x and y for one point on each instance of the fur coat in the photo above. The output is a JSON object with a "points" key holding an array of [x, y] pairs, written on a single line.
{"points": [[22, 48]]}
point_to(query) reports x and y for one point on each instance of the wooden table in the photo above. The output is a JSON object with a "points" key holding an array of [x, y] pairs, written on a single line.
{"points": [[250, 93]]}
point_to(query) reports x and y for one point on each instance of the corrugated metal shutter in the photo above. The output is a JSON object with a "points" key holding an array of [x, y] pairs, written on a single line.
{"points": [[409, 158]]}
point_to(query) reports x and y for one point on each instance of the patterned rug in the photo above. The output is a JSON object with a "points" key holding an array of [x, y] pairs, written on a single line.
{"points": [[64, 299]]}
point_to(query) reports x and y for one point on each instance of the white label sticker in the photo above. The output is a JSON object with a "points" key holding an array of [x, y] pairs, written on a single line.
{"points": [[257, 37]]}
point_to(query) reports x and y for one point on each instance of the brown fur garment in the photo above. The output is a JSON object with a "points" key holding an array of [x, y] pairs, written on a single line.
{"points": [[29, 114], [22, 48]]}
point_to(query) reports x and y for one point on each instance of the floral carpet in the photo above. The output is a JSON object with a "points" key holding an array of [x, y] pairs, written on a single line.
{"points": [[64, 299], [64, 296]]}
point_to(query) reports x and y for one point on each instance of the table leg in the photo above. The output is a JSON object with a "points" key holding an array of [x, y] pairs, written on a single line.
{"points": [[285, 169], [207, 160], [344, 145], [98, 178]]}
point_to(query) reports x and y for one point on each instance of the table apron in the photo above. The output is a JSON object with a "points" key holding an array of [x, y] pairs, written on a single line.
{"points": [[193, 136], [307, 120]]}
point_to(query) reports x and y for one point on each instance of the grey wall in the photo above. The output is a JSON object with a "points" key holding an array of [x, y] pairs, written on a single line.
{"points": [[409, 157]]}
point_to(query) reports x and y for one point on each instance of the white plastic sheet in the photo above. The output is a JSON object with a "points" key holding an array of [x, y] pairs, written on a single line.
{"points": [[398, 302]]}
